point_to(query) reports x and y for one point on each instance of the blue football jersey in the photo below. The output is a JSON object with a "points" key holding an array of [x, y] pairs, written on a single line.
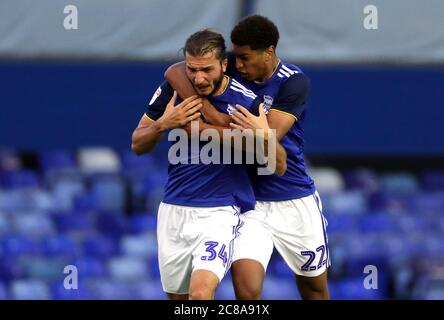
{"points": [[285, 91], [207, 185]]}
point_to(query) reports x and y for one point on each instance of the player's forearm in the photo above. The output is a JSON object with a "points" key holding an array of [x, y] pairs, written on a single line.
{"points": [[144, 139], [281, 159], [275, 152], [214, 117], [177, 77]]}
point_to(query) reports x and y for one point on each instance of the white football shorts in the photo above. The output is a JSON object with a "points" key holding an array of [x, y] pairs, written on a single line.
{"points": [[192, 238], [296, 228]]}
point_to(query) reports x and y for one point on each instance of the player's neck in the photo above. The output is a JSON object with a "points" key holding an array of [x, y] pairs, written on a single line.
{"points": [[222, 87], [270, 69]]}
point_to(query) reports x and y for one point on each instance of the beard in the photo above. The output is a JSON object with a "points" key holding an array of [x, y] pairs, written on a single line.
{"points": [[217, 83], [216, 86]]}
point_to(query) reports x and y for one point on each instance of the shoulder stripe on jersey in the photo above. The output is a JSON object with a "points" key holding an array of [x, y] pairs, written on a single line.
{"points": [[280, 75], [290, 70], [289, 114], [284, 73], [240, 86], [242, 91]]}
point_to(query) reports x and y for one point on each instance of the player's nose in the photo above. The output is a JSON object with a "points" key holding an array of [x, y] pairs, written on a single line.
{"points": [[199, 79], [239, 64]]}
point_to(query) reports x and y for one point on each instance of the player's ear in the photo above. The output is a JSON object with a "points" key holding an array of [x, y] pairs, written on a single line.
{"points": [[269, 52], [224, 64]]}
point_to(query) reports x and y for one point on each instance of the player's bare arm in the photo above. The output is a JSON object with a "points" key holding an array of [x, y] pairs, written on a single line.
{"points": [[177, 78], [243, 119], [148, 132], [281, 122]]}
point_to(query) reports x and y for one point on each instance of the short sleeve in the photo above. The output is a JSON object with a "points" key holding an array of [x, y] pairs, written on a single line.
{"points": [[292, 95], [159, 100]]}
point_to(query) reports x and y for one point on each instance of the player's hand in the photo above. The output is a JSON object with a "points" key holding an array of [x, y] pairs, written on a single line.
{"points": [[244, 119], [183, 113]]}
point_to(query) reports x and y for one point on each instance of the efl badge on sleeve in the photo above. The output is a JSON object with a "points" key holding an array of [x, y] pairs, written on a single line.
{"points": [[155, 95]]}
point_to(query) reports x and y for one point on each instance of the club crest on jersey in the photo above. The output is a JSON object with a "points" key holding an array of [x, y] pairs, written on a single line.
{"points": [[268, 102], [230, 109]]}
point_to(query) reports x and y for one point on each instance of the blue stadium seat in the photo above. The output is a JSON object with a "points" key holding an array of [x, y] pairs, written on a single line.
{"points": [[44, 268], [58, 159], [55, 176], [433, 245], [128, 268], [279, 289], [33, 224], [100, 246], [433, 180], [30, 290], [357, 244], [86, 202], [112, 224], [108, 289], [400, 246], [74, 221], [100, 159], [353, 289], [361, 179], [340, 222], [110, 193], [149, 290], [427, 202], [19, 179], [5, 224], [59, 292], [147, 190], [4, 293], [143, 245], [58, 245], [65, 191], [428, 288], [338, 258], [378, 222], [10, 269], [399, 183], [143, 222], [388, 201], [410, 222], [16, 245], [153, 268], [90, 267], [279, 268], [131, 162], [347, 202], [328, 180], [225, 290], [25, 199]]}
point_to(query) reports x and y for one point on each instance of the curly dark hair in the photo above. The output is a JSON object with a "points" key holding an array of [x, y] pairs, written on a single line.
{"points": [[255, 31]]}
